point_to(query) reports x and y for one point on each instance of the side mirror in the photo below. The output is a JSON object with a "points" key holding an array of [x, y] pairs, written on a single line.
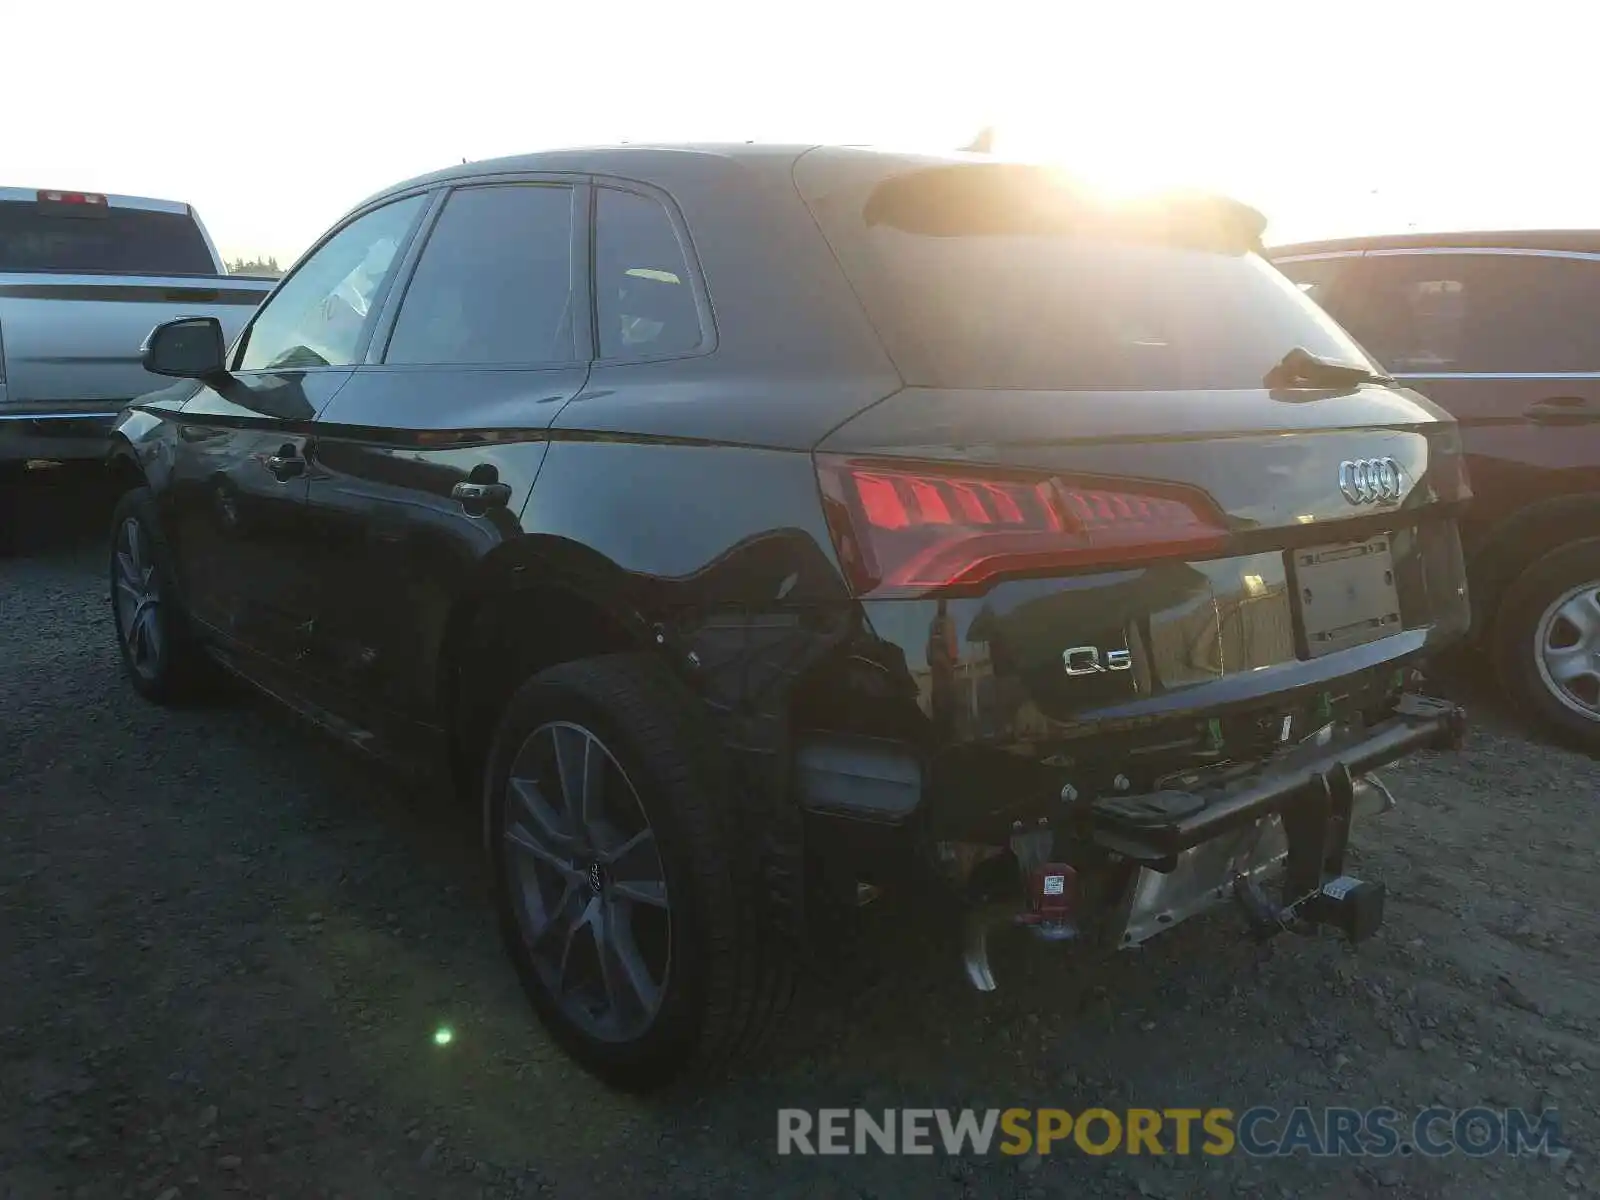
{"points": [[188, 348]]}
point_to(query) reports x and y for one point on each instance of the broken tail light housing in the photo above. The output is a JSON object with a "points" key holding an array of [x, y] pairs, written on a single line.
{"points": [[906, 530], [1447, 467]]}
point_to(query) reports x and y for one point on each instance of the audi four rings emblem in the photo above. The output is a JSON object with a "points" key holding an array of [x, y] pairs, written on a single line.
{"points": [[1370, 480]]}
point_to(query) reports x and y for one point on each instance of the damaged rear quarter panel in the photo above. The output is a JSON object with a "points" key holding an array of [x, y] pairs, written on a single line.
{"points": [[723, 553], [722, 550]]}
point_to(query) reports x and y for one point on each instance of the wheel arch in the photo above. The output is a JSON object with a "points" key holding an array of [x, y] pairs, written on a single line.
{"points": [[534, 603], [140, 449], [122, 465], [1517, 541]]}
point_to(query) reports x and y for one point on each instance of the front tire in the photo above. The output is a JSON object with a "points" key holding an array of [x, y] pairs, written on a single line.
{"points": [[624, 880], [1547, 641], [159, 654]]}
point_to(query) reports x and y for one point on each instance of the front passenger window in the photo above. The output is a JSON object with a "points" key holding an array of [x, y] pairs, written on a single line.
{"points": [[318, 315]]}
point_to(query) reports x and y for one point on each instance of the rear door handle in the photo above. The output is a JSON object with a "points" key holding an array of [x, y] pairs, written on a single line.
{"points": [[483, 495], [1562, 410], [286, 464]]}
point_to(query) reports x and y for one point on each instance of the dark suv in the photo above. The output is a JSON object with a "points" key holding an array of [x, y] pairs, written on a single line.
{"points": [[756, 532], [1500, 329]]}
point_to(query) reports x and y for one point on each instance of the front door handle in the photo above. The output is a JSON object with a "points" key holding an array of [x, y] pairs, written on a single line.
{"points": [[1562, 410], [286, 464], [482, 495]]}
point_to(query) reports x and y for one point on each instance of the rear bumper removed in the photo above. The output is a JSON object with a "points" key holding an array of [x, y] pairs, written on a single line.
{"points": [[1192, 852], [1166, 856], [1153, 829]]}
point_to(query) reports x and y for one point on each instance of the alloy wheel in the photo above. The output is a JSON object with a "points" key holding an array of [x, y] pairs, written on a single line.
{"points": [[587, 882], [1567, 649], [137, 596]]}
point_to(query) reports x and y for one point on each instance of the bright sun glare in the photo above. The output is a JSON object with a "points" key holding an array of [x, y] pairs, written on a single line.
{"points": [[1332, 119]]}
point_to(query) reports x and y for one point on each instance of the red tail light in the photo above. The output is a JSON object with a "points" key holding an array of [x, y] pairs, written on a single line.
{"points": [[909, 530]]}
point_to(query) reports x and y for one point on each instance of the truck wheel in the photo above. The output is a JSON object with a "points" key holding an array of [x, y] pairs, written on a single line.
{"points": [[623, 880], [1547, 641], [159, 654]]}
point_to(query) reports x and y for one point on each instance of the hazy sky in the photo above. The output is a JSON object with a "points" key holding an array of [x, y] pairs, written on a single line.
{"points": [[275, 116]]}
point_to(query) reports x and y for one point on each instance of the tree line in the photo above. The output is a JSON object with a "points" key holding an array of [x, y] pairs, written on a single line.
{"points": [[256, 266]]}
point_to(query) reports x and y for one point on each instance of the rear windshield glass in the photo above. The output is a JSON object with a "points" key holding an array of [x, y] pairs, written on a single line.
{"points": [[1001, 277], [120, 240]]}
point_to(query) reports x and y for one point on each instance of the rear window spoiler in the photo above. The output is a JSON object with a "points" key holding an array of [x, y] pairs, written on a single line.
{"points": [[975, 199]]}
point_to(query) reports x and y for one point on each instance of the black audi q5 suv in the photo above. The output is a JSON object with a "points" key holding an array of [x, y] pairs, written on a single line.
{"points": [[752, 531]]}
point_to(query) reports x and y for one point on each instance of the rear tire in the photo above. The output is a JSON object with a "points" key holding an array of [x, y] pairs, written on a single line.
{"points": [[654, 873], [156, 644], [1546, 642]]}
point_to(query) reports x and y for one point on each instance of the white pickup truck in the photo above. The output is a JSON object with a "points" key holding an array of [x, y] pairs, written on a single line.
{"points": [[84, 278]]}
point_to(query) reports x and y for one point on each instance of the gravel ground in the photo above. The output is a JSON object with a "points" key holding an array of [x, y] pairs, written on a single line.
{"points": [[225, 947]]}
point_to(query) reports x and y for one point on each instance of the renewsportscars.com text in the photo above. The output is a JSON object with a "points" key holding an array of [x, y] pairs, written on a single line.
{"points": [[1258, 1132]]}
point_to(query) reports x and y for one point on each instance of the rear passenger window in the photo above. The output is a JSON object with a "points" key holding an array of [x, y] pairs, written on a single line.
{"points": [[1482, 313], [494, 283], [1317, 277], [1411, 311], [36, 235], [644, 294]]}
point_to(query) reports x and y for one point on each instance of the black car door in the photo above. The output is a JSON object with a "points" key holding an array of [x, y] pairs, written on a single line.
{"points": [[1503, 339], [421, 465], [235, 511]]}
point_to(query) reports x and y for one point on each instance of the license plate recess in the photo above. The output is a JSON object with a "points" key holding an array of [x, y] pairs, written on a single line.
{"points": [[1345, 593]]}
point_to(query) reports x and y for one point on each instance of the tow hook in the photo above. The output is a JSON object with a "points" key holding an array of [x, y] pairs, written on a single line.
{"points": [[1052, 892], [1352, 906], [1264, 918]]}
